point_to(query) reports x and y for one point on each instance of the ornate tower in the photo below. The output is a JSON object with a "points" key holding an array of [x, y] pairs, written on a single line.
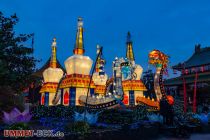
{"points": [[52, 76], [78, 66], [129, 48], [132, 85]]}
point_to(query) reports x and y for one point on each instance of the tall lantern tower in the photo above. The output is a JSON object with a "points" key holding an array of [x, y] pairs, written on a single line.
{"points": [[78, 68], [99, 76], [132, 85], [52, 76]]}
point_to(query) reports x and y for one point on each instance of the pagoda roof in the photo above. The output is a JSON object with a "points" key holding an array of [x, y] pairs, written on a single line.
{"points": [[40, 71], [190, 79], [200, 57]]}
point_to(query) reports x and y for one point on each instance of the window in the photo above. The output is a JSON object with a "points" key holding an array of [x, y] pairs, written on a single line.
{"points": [[205, 68], [208, 67]]}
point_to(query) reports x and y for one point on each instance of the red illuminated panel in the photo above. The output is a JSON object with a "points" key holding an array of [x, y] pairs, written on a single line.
{"points": [[42, 100], [66, 98], [125, 100]]}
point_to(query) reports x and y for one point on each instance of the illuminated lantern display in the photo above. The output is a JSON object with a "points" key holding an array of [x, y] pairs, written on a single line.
{"points": [[126, 70], [42, 99], [75, 87], [125, 100], [131, 74], [78, 66], [99, 76], [160, 61], [66, 98], [170, 99], [52, 76]]}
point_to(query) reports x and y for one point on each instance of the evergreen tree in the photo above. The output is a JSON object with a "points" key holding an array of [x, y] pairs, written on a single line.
{"points": [[16, 60]]}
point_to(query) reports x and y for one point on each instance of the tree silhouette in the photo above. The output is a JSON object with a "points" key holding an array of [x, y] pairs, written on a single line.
{"points": [[16, 63], [16, 60]]}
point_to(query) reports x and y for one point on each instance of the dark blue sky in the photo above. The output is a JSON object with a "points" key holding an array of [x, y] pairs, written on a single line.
{"points": [[172, 26]]}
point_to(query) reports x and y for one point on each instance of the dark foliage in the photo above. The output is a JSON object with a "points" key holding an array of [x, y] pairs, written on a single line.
{"points": [[140, 113], [115, 116], [9, 100], [19, 126], [59, 111], [81, 127], [16, 61]]}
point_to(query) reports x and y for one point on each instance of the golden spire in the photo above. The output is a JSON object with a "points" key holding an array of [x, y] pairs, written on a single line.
{"points": [[79, 46], [53, 61], [129, 48]]}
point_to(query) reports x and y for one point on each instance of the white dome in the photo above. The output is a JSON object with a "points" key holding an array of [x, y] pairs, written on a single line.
{"points": [[78, 64], [138, 71], [52, 75], [99, 80]]}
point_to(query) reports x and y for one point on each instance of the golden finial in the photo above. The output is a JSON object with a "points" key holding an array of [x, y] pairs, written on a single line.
{"points": [[54, 39], [54, 42]]}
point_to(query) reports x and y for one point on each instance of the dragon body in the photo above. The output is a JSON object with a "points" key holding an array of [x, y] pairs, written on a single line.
{"points": [[160, 61]]}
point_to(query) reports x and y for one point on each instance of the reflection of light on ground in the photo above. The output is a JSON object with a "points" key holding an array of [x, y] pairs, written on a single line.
{"points": [[192, 137]]}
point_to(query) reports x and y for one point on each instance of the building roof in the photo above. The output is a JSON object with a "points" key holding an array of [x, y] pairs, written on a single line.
{"points": [[200, 57], [40, 71], [202, 77]]}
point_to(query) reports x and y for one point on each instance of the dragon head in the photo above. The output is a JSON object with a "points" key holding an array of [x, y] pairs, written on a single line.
{"points": [[158, 58]]}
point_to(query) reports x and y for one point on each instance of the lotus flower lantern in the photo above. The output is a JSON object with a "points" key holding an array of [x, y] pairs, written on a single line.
{"points": [[15, 116]]}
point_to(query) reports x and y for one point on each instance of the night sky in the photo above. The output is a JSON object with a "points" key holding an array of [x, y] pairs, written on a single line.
{"points": [[172, 26]]}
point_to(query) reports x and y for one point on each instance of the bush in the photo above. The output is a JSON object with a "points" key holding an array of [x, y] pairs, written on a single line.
{"points": [[8, 100], [140, 113], [81, 127], [115, 116], [59, 111], [19, 126]]}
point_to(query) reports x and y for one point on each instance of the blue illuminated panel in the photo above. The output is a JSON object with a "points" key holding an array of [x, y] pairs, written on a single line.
{"points": [[46, 100], [72, 96]]}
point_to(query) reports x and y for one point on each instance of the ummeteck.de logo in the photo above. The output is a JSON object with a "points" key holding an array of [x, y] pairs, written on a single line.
{"points": [[32, 133]]}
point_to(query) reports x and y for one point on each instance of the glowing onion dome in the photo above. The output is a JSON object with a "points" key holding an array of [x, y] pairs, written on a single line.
{"points": [[78, 64], [53, 74], [99, 76]]}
